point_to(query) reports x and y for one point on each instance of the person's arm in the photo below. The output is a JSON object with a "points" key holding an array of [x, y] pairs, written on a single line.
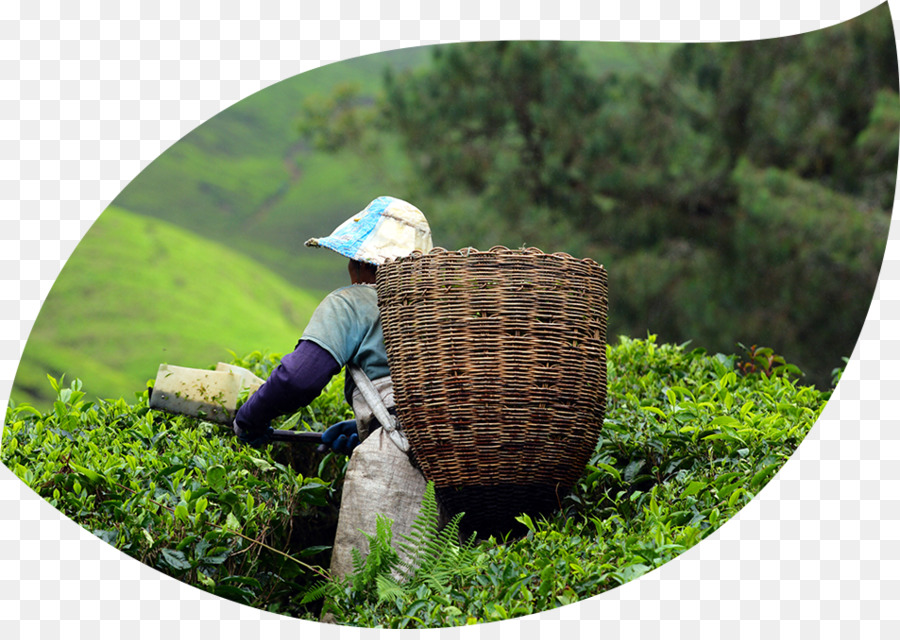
{"points": [[297, 381]]}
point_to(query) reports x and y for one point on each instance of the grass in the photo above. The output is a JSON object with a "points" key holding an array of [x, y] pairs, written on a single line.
{"points": [[245, 179], [138, 292]]}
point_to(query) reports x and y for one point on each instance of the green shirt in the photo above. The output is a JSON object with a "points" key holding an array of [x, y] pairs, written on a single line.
{"points": [[347, 324]]}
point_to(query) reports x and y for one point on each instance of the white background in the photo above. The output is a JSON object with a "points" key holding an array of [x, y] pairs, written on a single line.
{"points": [[92, 92]]}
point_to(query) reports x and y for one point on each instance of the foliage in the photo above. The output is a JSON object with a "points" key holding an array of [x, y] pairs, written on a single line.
{"points": [[689, 439], [799, 103], [333, 121], [182, 495], [687, 419], [795, 269], [490, 138], [411, 578]]}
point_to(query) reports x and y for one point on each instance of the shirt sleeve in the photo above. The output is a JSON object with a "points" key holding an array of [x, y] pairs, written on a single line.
{"points": [[297, 381], [336, 325]]}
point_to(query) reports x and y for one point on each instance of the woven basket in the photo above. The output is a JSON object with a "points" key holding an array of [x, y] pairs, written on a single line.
{"points": [[498, 360]]}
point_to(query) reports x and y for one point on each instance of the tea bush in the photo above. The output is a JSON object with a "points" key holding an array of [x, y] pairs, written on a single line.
{"points": [[689, 439], [184, 495]]}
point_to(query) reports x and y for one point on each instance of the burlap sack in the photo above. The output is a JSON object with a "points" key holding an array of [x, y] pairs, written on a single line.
{"points": [[379, 479]]}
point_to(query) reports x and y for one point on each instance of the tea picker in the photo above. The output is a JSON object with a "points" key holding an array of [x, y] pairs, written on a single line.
{"points": [[497, 363], [345, 332]]}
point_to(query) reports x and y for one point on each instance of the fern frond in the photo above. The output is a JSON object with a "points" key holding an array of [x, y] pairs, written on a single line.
{"points": [[318, 591], [437, 545], [381, 559], [422, 533], [357, 561], [388, 589], [430, 558]]}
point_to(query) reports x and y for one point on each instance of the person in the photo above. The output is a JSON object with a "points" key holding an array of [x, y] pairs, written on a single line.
{"points": [[344, 330]]}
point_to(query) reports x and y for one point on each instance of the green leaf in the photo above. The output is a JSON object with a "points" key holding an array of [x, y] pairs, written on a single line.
{"points": [[91, 475], [311, 551], [527, 521], [693, 489], [242, 580], [735, 496], [610, 470], [761, 477], [232, 523], [181, 512], [186, 542], [172, 469], [262, 465], [632, 469], [25, 407], [234, 593], [108, 537], [216, 556], [215, 477], [656, 410], [174, 559]]}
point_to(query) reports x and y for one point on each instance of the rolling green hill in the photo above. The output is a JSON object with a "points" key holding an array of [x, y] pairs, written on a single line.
{"points": [[246, 179], [138, 292]]}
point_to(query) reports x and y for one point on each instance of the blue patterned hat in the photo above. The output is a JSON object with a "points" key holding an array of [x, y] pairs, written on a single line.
{"points": [[386, 229]]}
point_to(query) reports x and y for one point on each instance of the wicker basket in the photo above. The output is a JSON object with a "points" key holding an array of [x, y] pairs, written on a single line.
{"points": [[498, 360]]}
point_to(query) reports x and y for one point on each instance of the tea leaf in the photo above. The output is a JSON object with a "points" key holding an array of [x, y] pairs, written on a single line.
{"points": [[175, 560]]}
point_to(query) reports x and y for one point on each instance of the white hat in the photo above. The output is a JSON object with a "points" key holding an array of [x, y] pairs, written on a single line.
{"points": [[388, 228]]}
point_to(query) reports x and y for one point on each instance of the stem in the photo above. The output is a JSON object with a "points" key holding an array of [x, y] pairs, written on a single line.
{"points": [[317, 570]]}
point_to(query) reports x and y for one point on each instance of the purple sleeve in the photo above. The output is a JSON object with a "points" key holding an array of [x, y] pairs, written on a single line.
{"points": [[297, 381]]}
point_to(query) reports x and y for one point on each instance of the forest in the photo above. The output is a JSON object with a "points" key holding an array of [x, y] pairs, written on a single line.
{"points": [[736, 192]]}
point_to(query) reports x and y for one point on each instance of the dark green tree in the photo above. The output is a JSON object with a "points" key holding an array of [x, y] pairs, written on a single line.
{"points": [[801, 102], [504, 121], [739, 195]]}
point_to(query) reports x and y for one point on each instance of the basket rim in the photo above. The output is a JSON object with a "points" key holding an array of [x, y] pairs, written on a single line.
{"points": [[495, 250]]}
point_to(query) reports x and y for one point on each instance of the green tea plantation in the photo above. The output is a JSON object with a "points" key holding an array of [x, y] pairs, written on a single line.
{"points": [[689, 439]]}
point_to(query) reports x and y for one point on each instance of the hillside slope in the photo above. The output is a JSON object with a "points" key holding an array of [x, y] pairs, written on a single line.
{"points": [[138, 292], [244, 177]]}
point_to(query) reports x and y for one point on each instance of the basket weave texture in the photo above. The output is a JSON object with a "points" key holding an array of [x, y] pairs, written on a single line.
{"points": [[498, 360]]}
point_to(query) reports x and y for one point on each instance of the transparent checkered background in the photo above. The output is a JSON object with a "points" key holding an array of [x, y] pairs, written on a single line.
{"points": [[91, 92]]}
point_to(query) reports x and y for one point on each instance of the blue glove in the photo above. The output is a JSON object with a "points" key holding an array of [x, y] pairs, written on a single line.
{"points": [[256, 439], [341, 437]]}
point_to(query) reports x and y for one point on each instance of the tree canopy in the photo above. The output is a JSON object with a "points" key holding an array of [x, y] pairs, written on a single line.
{"points": [[738, 193]]}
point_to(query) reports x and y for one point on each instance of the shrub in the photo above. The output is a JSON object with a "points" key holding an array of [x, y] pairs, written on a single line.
{"points": [[688, 440], [183, 495]]}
